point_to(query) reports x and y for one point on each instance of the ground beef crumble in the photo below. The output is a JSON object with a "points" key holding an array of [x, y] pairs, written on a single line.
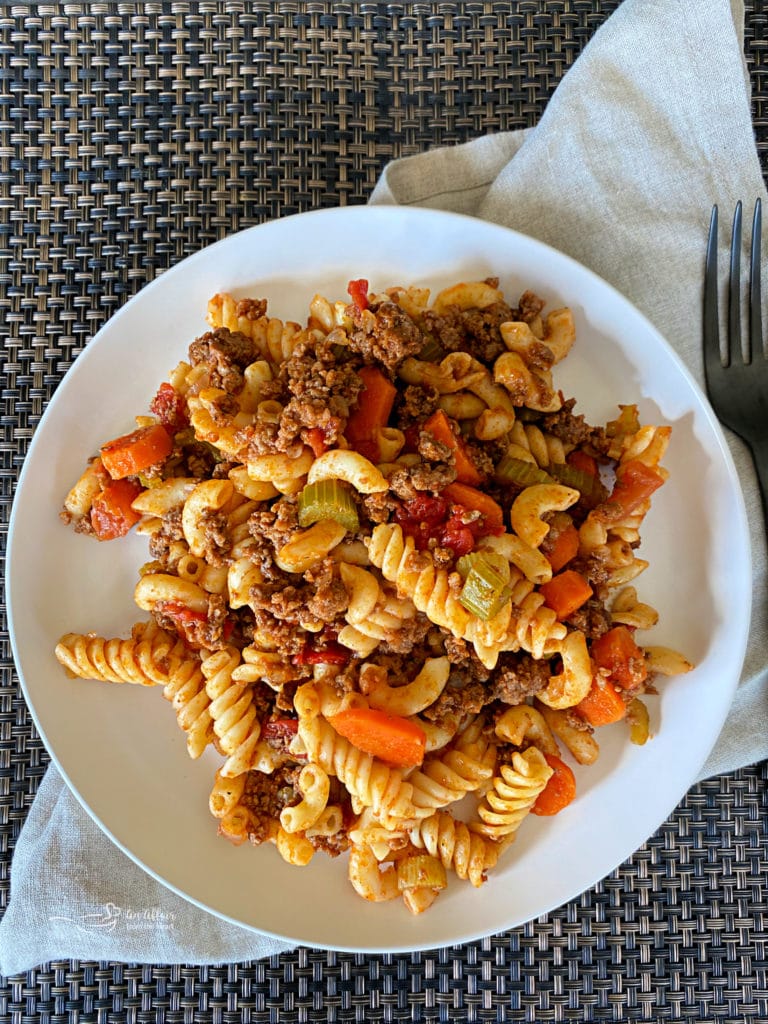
{"points": [[225, 354], [384, 334], [264, 796]]}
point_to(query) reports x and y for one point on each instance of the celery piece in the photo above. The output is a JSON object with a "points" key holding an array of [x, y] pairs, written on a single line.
{"points": [[592, 491], [432, 351], [627, 422], [497, 562], [486, 588], [328, 499], [517, 471], [421, 871]]}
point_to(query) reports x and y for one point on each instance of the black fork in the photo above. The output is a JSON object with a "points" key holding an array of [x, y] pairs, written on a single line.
{"points": [[736, 370]]}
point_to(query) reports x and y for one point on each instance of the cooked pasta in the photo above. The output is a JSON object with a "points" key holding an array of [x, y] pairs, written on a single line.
{"points": [[390, 571]]}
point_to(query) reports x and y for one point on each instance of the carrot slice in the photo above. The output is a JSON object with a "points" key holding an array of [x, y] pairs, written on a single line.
{"points": [[602, 705], [580, 460], [559, 791], [440, 427], [131, 453], [566, 592], [374, 405], [635, 482], [111, 512], [617, 653], [562, 548], [477, 501], [398, 741]]}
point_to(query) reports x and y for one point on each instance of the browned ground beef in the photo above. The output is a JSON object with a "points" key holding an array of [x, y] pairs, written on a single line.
{"points": [[418, 402], [517, 677], [593, 619], [225, 354], [265, 796], [573, 429], [384, 334], [529, 307]]}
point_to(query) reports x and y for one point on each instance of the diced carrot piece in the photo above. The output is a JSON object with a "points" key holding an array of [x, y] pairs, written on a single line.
{"points": [[398, 741], [566, 592], [580, 460], [440, 427], [617, 653], [602, 705], [477, 501], [111, 512], [134, 452], [562, 548], [374, 405], [559, 791], [635, 483]]}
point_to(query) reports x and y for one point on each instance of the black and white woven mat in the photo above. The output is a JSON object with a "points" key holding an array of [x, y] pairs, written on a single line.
{"points": [[133, 134]]}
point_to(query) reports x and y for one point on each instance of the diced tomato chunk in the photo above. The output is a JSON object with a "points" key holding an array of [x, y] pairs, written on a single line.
{"points": [[169, 407], [315, 438], [421, 518], [330, 653], [358, 292], [111, 512]]}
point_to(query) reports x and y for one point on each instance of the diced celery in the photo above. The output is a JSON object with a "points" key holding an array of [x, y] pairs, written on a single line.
{"points": [[486, 587], [517, 471], [590, 487], [328, 499], [421, 871], [432, 351]]}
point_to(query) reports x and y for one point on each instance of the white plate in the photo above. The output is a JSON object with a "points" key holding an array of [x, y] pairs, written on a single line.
{"points": [[119, 747]]}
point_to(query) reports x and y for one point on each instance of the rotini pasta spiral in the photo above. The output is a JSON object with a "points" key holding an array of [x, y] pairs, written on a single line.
{"points": [[467, 853], [371, 782], [185, 689], [235, 721], [142, 660], [514, 792]]}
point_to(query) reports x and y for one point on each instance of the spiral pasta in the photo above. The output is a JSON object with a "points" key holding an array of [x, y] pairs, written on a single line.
{"points": [[371, 782], [235, 719], [468, 854], [513, 794], [185, 689], [142, 660]]}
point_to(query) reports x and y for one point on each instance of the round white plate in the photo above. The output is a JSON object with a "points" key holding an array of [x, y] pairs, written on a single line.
{"points": [[119, 747]]}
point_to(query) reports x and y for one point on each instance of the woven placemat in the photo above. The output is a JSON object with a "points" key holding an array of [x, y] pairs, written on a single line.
{"points": [[133, 134]]}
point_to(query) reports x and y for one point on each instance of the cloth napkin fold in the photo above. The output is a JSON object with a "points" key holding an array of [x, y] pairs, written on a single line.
{"points": [[650, 126]]}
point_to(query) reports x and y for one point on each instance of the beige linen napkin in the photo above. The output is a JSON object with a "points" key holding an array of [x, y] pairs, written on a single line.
{"points": [[649, 127]]}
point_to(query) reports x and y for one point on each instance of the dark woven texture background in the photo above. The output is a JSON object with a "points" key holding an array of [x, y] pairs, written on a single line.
{"points": [[131, 135]]}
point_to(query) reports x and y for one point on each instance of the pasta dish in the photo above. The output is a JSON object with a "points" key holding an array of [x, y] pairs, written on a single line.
{"points": [[391, 575]]}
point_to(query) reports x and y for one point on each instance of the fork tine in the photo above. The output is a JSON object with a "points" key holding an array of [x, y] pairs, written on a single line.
{"points": [[712, 360], [733, 342], [755, 287]]}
